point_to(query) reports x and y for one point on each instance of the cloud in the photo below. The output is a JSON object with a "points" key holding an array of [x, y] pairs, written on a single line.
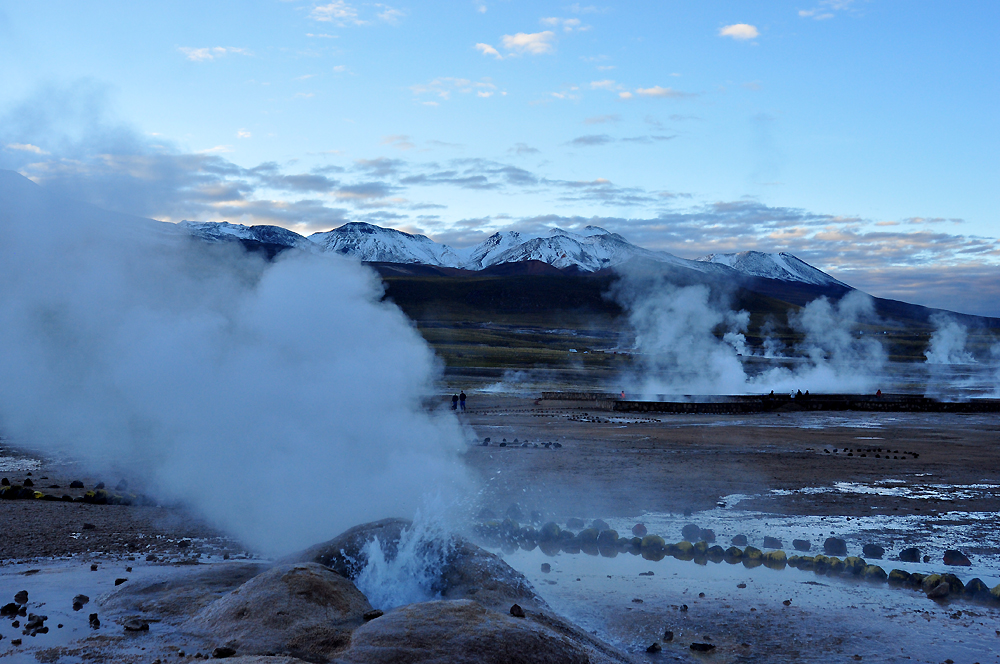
{"points": [[243, 133], [210, 53], [521, 149], [486, 49], [444, 87], [380, 167], [658, 91], [567, 24], [601, 119], [606, 84], [535, 43], [400, 142], [338, 12], [739, 31], [826, 9], [591, 140], [26, 147]]}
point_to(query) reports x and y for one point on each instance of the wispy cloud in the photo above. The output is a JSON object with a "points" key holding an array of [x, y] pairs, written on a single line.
{"points": [[26, 147], [739, 31], [400, 142], [343, 13], [210, 53], [590, 140], [486, 49], [601, 119], [534, 43], [826, 9], [444, 86], [567, 24]]}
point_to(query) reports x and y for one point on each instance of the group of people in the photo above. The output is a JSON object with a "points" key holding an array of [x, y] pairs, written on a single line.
{"points": [[458, 400]]}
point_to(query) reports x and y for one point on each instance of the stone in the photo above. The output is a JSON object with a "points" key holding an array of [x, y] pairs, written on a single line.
{"points": [[575, 523], [95, 622], [707, 535], [801, 545], [910, 555], [875, 574], [465, 632], [136, 625], [516, 611], [775, 559], [739, 540], [76, 484], [953, 557], [549, 532], [372, 615], [691, 532], [929, 582], [834, 546], [733, 555], [9, 610], [546, 568], [654, 647], [177, 597], [118, 582], [301, 609], [954, 583], [898, 577], [21, 597], [854, 566], [600, 524], [668, 636], [222, 652], [639, 530], [514, 512], [771, 542], [702, 647], [871, 550], [716, 553], [976, 589], [5, 482], [940, 591]]}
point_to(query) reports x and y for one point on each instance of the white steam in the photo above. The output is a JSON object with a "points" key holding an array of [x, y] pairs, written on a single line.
{"points": [[947, 344], [282, 401], [679, 352]]}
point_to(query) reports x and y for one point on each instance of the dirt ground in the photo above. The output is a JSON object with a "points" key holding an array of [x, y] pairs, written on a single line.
{"points": [[624, 465]]}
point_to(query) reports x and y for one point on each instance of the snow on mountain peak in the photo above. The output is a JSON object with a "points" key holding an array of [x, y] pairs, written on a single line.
{"points": [[386, 245], [781, 266]]}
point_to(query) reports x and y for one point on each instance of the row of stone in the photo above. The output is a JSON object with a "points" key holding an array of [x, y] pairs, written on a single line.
{"points": [[95, 497]]}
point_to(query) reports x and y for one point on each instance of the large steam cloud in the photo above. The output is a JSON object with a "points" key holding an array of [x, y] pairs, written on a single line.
{"points": [[282, 401], [679, 352]]}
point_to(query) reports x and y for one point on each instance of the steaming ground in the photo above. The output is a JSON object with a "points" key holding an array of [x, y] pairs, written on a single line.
{"points": [[281, 402]]}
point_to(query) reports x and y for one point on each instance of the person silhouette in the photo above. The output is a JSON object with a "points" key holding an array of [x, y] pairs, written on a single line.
{"points": [[461, 400], [454, 402]]}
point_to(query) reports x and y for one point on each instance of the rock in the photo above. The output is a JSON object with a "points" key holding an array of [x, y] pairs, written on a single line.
{"points": [[854, 566], [89, 526], [801, 545], [910, 555], [707, 535], [536, 517], [954, 583], [716, 554], [15, 642], [953, 557], [372, 615], [343, 553], [5, 482], [739, 540], [929, 582], [873, 551], [95, 622], [486, 514], [223, 652], [300, 609], [691, 532], [516, 611], [775, 559], [875, 574], [898, 577], [639, 530], [178, 597], [600, 524], [514, 512], [465, 632], [549, 532], [976, 589], [668, 636], [81, 600], [834, 546], [76, 484], [654, 648], [136, 625], [771, 542], [733, 555], [940, 591], [122, 486], [21, 597], [99, 485], [575, 523], [9, 610], [546, 568], [702, 647], [118, 582]]}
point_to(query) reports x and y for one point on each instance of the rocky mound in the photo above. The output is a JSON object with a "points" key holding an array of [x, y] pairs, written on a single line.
{"points": [[303, 609]]}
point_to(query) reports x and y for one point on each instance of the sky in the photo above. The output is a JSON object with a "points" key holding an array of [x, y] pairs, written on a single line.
{"points": [[858, 135]]}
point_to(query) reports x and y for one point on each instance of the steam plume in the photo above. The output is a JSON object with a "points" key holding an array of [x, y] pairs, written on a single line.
{"points": [[282, 401]]}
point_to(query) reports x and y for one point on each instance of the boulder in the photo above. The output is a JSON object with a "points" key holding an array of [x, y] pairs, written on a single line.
{"points": [[834, 546], [854, 566], [898, 577], [752, 557], [343, 553], [954, 583], [300, 609], [910, 555], [873, 551], [549, 532], [771, 542], [953, 557], [691, 532], [575, 523], [734, 555], [929, 582], [716, 553], [940, 591], [875, 574], [821, 563], [775, 559], [639, 530], [600, 524], [707, 535], [464, 631], [801, 545], [977, 590], [739, 540]]}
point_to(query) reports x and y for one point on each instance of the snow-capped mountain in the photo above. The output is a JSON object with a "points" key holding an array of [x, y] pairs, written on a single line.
{"points": [[781, 266], [385, 245], [591, 250], [221, 231]]}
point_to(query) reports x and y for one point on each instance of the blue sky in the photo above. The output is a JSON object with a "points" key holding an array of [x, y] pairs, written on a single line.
{"points": [[859, 135]]}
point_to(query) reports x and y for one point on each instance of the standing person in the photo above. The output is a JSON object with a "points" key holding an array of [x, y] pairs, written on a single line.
{"points": [[461, 400], [454, 402]]}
